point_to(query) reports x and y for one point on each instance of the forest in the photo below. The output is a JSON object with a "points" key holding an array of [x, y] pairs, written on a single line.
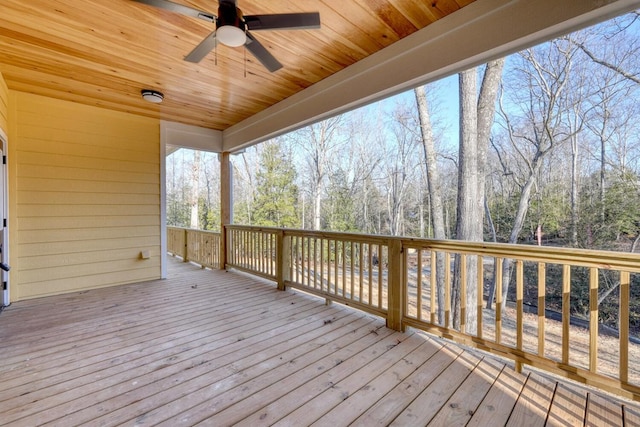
{"points": [[541, 147]]}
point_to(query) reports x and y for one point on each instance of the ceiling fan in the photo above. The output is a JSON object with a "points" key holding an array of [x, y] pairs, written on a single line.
{"points": [[232, 28]]}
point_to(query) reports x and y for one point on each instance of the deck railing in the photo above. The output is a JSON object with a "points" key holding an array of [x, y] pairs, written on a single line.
{"points": [[199, 246], [397, 278]]}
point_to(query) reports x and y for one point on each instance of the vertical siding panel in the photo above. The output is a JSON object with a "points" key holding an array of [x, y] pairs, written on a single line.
{"points": [[72, 165]]}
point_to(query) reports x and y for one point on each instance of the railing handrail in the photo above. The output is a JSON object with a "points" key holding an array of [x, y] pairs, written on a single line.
{"points": [[626, 261]]}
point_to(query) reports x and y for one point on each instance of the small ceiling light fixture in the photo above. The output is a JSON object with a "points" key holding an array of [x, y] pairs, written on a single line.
{"points": [[231, 36], [152, 96]]}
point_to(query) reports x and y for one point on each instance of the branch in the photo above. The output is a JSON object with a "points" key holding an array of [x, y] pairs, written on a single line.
{"points": [[609, 65]]}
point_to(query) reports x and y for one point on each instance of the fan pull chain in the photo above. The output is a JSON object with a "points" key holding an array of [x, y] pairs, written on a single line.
{"points": [[245, 53]]}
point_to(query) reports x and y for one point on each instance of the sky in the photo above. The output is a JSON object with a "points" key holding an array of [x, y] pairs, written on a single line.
{"points": [[443, 104]]}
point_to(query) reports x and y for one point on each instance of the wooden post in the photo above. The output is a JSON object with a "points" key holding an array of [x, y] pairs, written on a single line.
{"points": [[185, 246], [226, 205], [283, 259], [395, 285]]}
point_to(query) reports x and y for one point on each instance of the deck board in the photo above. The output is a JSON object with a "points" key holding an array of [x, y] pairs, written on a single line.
{"points": [[459, 409], [601, 410], [220, 348], [568, 407], [431, 400], [362, 399], [498, 404], [357, 372], [532, 407]]}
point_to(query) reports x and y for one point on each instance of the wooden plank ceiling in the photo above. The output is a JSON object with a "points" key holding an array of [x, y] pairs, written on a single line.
{"points": [[103, 53]]}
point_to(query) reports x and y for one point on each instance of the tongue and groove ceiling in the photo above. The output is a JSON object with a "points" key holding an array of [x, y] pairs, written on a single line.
{"points": [[103, 53]]}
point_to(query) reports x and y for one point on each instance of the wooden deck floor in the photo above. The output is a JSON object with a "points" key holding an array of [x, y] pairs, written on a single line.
{"points": [[214, 348]]}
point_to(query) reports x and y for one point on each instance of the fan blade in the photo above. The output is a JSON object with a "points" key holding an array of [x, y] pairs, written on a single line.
{"points": [[178, 8], [262, 54], [283, 21], [202, 49]]}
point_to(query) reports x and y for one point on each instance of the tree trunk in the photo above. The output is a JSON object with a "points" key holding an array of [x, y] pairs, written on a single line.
{"points": [[518, 224], [574, 190], [435, 192], [603, 166], [492, 230], [486, 117], [317, 204], [467, 203], [195, 189]]}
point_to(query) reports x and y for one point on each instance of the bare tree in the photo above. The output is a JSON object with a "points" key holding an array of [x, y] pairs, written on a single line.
{"points": [[477, 114], [399, 167], [435, 192], [195, 189], [320, 142], [210, 218], [468, 218], [540, 84], [245, 167]]}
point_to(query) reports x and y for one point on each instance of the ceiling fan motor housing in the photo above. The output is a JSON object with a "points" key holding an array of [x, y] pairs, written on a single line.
{"points": [[229, 14]]}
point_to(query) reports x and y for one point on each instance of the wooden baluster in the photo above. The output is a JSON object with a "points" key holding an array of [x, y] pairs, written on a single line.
{"points": [[344, 268], [447, 289], [480, 299], [593, 319], [329, 266], [519, 308], [381, 259], [498, 269], [566, 311], [432, 281], [404, 277], [370, 271], [625, 283], [361, 264], [322, 260], [352, 266], [463, 292], [542, 284], [418, 284]]}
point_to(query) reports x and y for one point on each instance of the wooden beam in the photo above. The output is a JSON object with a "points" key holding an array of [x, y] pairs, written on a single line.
{"points": [[178, 135]]}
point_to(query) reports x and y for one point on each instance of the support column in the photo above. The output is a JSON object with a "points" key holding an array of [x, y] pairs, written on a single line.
{"points": [[283, 259], [226, 203], [396, 285]]}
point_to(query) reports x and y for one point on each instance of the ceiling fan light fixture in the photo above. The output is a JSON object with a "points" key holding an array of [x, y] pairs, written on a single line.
{"points": [[152, 96], [231, 36]]}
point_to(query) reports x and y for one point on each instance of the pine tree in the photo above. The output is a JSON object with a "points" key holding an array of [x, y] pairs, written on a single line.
{"points": [[277, 193]]}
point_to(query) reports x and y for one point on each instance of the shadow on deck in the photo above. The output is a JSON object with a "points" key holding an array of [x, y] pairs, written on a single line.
{"points": [[222, 348]]}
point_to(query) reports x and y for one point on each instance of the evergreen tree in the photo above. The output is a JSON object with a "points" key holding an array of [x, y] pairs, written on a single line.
{"points": [[341, 203], [277, 193]]}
